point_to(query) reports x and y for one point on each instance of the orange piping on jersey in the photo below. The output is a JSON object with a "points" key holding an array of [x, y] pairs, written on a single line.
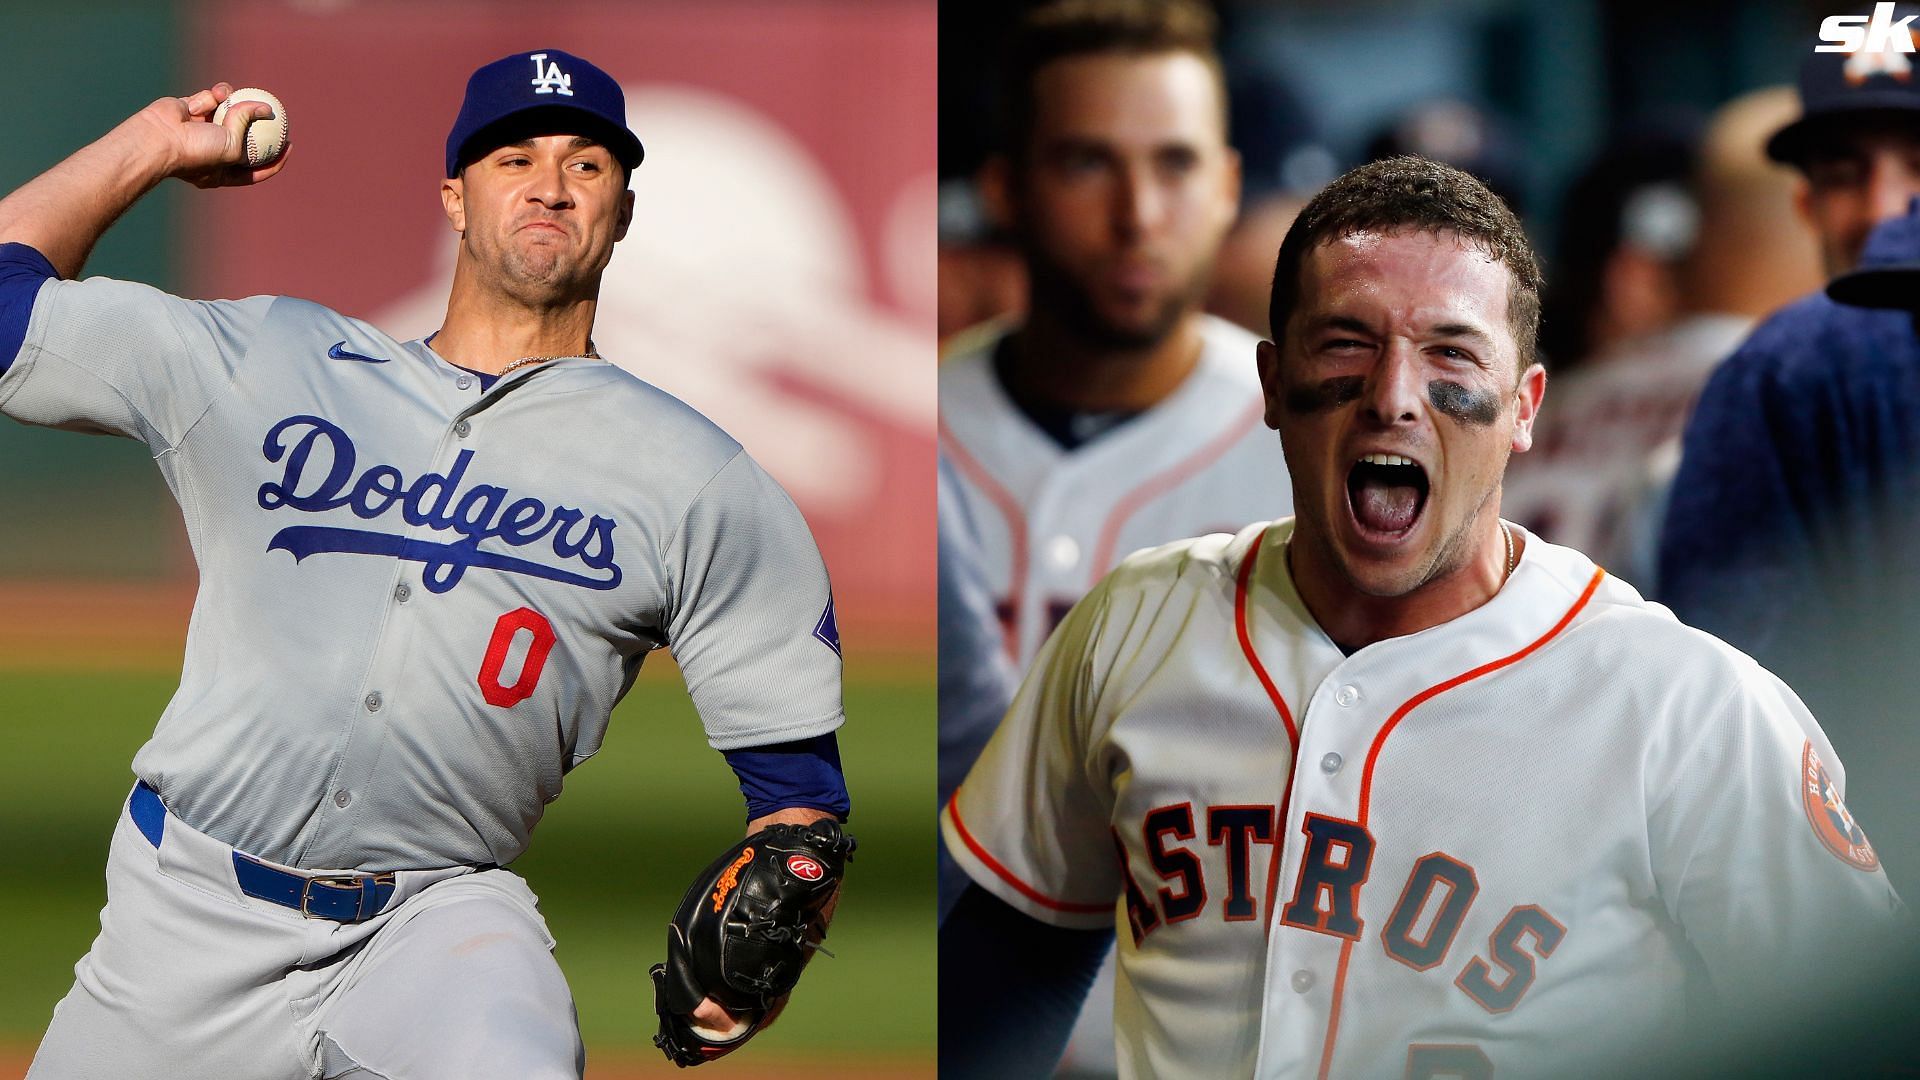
{"points": [[1240, 589], [1333, 1015], [1161, 484], [1006, 875], [1373, 755], [1016, 529]]}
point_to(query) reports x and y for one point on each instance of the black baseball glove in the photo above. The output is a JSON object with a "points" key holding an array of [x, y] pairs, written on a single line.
{"points": [[744, 931]]}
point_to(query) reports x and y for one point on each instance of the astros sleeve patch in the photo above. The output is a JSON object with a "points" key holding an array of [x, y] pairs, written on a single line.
{"points": [[1828, 815]]}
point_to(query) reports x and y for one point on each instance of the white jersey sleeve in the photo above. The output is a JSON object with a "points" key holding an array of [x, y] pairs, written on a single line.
{"points": [[1026, 822], [1753, 849], [744, 573], [121, 358]]}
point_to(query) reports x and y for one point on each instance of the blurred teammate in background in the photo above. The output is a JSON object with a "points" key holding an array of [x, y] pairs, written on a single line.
{"points": [[1117, 416], [977, 677], [1798, 492], [1695, 252]]}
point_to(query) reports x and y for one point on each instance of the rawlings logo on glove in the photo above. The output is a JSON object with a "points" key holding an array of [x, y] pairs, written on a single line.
{"points": [[744, 931]]}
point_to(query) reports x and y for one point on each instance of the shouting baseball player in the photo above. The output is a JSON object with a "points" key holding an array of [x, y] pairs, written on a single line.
{"points": [[478, 538], [1392, 787]]}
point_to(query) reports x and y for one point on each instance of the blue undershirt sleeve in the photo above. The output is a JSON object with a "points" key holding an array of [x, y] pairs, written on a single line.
{"points": [[22, 271], [806, 773], [1010, 988]]}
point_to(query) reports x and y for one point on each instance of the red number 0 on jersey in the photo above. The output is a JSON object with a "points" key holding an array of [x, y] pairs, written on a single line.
{"points": [[510, 624]]}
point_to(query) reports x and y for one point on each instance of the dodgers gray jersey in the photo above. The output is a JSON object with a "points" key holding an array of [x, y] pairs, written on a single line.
{"points": [[419, 599]]}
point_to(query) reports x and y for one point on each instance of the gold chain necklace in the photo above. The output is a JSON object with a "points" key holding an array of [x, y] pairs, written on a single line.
{"points": [[590, 354]]}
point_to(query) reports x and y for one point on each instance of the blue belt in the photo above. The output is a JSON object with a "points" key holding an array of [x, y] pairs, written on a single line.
{"points": [[346, 898]]}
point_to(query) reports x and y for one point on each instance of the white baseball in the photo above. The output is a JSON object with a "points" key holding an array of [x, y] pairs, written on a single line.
{"points": [[266, 139]]}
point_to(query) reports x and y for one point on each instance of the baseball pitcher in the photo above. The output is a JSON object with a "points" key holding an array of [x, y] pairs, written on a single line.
{"points": [[429, 569]]}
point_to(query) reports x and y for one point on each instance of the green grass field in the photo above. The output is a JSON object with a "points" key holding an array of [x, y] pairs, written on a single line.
{"points": [[609, 862]]}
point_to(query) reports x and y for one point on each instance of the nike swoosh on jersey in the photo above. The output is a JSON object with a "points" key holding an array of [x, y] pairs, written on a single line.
{"points": [[340, 353]]}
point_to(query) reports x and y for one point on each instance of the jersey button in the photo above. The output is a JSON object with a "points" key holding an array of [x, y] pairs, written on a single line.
{"points": [[1346, 696], [463, 429], [373, 701], [1302, 981], [1063, 553], [463, 381], [342, 798], [403, 593], [1330, 764]]}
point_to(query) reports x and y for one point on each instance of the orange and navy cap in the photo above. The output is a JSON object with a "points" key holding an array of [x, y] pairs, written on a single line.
{"points": [[1840, 87]]}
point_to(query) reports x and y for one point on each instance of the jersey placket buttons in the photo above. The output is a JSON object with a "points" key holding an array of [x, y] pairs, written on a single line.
{"points": [[462, 429], [464, 381], [1064, 553], [1297, 956], [403, 593]]}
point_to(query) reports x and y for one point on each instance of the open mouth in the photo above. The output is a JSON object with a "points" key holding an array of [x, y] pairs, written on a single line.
{"points": [[1386, 493]]}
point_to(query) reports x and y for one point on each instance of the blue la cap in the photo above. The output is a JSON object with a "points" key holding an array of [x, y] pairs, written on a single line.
{"points": [[1839, 85], [522, 94]]}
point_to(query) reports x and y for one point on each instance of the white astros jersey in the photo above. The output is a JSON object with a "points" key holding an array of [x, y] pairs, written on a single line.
{"points": [[1051, 521], [1495, 844], [419, 601]]}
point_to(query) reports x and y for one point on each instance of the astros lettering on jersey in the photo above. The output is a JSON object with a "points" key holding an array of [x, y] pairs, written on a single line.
{"points": [[1498, 843], [1051, 521]]}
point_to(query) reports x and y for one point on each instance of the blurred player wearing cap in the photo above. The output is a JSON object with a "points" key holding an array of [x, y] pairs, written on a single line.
{"points": [[429, 571], [1117, 415], [1798, 494], [1857, 142]]}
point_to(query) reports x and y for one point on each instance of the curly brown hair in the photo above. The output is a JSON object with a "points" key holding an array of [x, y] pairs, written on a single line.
{"points": [[1402, 193]]}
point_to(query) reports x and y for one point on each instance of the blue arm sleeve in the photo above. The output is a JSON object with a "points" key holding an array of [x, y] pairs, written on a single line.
{"points": [[805, 773], [22, 271], [1010, 988]]}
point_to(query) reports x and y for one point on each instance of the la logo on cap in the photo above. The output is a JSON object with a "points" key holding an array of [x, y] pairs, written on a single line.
{"points": [[548, 78]]}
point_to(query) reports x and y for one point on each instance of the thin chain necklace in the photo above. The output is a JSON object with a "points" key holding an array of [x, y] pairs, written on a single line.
{"points": [[590, 354]]}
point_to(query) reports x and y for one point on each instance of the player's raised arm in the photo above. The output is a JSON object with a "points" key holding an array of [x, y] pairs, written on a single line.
{"points": [[64, 211]]}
